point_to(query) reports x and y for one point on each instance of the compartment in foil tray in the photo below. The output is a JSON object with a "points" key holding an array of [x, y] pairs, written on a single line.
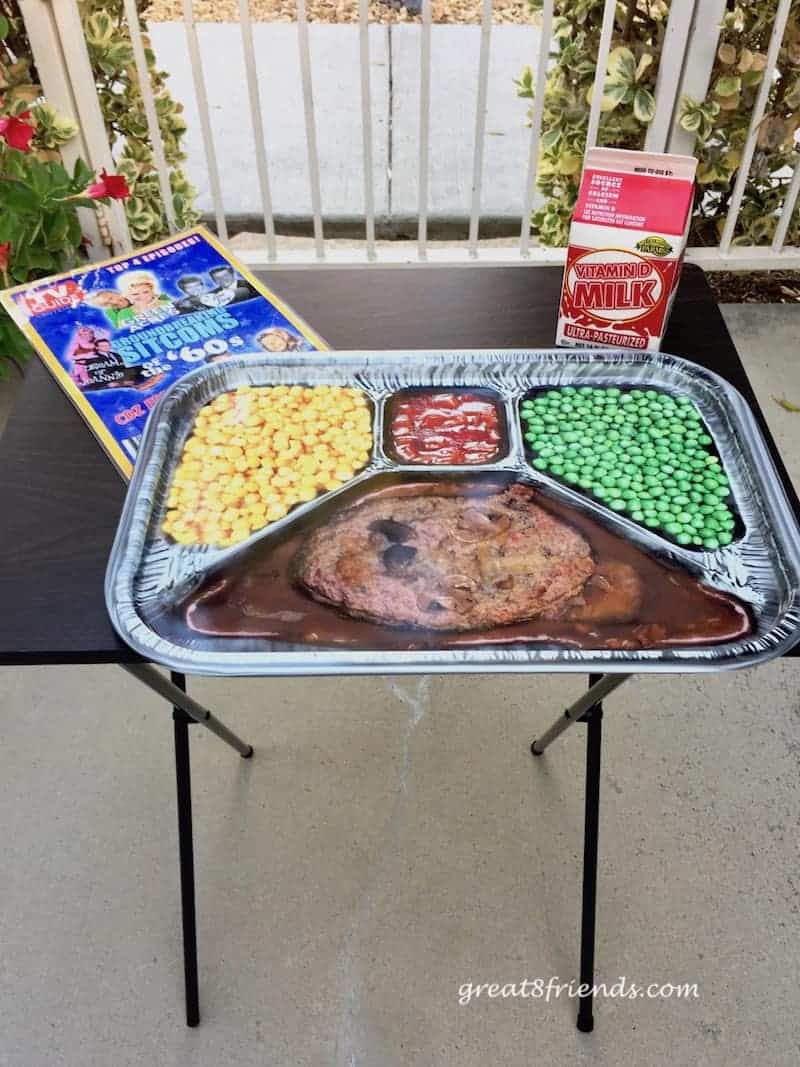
{"points": [[642, 452], [256, 452], [402, 562], [448, 426]]}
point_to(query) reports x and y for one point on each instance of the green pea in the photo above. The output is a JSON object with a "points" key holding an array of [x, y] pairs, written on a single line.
{"points": [[541, 464], [724, 539], [711, 543], [617, 503], [637, 515], [683, 538]]}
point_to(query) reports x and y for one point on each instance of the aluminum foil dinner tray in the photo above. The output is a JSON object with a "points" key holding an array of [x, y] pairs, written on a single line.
{"points": [[152, 576]]}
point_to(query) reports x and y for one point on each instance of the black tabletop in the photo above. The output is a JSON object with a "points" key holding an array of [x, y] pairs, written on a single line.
{"points": [[60, 497]]}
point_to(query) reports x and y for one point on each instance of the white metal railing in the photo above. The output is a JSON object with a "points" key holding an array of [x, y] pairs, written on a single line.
{"points": [[690, 44]]}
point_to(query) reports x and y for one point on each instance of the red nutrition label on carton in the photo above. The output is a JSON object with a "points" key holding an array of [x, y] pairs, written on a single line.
{"points": [[626, 245]]}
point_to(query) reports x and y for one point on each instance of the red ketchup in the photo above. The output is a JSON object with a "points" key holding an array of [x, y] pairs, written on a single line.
{"points": [[453, 428]]}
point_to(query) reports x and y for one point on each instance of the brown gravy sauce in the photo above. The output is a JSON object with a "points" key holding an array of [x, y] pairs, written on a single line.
{"points": [[255, 597]]}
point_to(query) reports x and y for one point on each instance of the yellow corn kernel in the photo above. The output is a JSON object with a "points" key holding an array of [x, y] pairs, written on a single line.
{"points": [[276, 511]]}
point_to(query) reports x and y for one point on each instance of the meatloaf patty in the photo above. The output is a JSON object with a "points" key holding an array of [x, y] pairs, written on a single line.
{"points": [[446, 561]]}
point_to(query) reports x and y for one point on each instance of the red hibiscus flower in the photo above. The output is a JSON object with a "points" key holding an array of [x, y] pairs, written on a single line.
{"points": [[16, 131], [111, 185]]}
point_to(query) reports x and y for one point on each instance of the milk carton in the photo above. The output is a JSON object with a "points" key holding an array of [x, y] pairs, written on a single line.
{"points": [[626, 246]]}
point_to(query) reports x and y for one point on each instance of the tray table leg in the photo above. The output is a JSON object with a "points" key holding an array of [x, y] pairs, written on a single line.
{"points": [[593, 718], [183, 783], [600, 685], [587, 709], [185, 712], [156, 681]]}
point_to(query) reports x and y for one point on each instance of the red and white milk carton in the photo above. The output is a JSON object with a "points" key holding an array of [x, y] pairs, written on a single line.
{"points": [[626, 246]]}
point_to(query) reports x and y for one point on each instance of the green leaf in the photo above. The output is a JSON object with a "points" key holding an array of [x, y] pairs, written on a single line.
{"points": [[644, 105], [11, 228], [18, 197], [570, 163], [74, 231], [551, 139], [81, 173], [792, 98], [39, 179], [4, 27], [727, 85], [56, 228], [751, 78], [621, 65], [613, 95], [691, 121], [787, 405], [642, 66]]}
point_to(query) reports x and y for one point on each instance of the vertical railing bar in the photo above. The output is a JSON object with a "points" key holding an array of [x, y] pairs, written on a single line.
{"points": [[787, 210], [258, 125], [698, 63], [480, 127], [54, 77], [670, 69], [311, 132], [424, 128], [735, 203], [150, 113], [600, 72], [93, 128], [536, 126], [196, 63], [366, 126]]}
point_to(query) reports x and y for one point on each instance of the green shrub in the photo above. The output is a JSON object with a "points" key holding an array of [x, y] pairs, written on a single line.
{"points": [[720, 122], [111, 53]]}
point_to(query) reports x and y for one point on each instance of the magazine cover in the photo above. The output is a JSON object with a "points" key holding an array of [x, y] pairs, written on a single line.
{"points": [[117, 334]]}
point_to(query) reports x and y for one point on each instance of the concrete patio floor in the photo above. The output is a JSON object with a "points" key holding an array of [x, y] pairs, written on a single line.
{"points": [[392, 840]]}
